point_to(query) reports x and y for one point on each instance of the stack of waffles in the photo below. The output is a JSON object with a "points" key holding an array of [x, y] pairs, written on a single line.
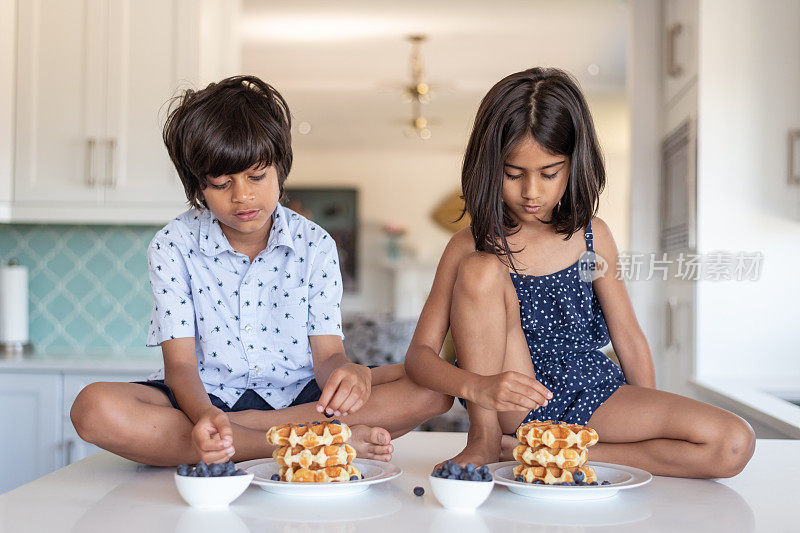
{"points": [[554, 452], [315, 452]]}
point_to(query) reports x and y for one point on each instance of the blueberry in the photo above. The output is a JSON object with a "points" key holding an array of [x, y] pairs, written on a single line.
{"points": [[183, 470], [486, 477], [362, 476], [328, 415], [419, 491], [606, 483], [275, 477], [580, 483], [578, 476], [452, 476], [519, 479], [538, 482], [192, 473], [353, 478], [484, 470], [593, 483], [470, 468], [476, 476], [336, 422], [230, 468], [315, 423], [216, 469], [202, 470]]}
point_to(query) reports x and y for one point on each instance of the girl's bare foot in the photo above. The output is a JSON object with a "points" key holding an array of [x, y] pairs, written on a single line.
{"points": [[372, 443], [477, 452], [507, 445]]}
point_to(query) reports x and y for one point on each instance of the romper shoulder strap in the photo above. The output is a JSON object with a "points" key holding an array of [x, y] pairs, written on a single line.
{"points": [[588, 236]]}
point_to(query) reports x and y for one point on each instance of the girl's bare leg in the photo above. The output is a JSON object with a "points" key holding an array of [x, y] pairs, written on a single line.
{"points": [[485, 324], [670, 435], [138, 422]]}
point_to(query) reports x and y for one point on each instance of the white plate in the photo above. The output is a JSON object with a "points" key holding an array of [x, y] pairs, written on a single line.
{"points": [[373, 472], [621, 477]]}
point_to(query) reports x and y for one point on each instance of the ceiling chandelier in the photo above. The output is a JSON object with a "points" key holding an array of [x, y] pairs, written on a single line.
{"points": [[417, 92]]}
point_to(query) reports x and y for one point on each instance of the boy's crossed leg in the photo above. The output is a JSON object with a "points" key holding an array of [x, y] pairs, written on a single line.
{"points": [[137, 422]]}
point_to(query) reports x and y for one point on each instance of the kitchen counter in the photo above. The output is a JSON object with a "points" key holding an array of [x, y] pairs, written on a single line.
{"points": [[107, 493], [74, 362]]}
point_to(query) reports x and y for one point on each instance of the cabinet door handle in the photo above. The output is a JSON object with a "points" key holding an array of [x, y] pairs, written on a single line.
{"points": [[111, 180], [672, 304], [68, 448], [90, 179], [673, 69]]}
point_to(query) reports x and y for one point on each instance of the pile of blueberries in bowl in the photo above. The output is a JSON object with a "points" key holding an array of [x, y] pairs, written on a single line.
{"points": [[453, 470], [210, 470]]}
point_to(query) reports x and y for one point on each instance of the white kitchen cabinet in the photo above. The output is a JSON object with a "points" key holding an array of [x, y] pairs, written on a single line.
{"points": [[32, 427], [680, 45], [92, 83]]}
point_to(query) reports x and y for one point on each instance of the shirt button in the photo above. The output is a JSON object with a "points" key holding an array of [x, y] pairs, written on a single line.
{"points": [[248, 328]]}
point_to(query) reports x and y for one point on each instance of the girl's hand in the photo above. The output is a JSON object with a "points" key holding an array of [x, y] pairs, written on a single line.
{"points": [[212, 436], [509, 391], [347, 390]]}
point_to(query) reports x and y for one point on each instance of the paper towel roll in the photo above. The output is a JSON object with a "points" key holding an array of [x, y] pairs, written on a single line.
{"points": [[13, 304]]}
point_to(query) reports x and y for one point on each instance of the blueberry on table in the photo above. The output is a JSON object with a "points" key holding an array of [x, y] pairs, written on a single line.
{"points": [[275, 477], [353, 478], [183, 470], [419, 491]]}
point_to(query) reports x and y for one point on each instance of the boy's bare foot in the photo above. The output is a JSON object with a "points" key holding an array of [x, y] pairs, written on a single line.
{"points": [[372, 442], [476, 452]]}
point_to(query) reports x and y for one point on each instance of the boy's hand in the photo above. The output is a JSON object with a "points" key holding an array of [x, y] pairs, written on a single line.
{"points": [[212, 436], [509, 391], [346, 390]]}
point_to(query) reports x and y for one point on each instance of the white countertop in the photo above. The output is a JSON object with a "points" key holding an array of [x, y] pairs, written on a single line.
{"points": [[107, 493], [83, 362]]}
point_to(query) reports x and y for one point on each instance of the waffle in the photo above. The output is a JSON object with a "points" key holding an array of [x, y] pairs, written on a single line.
{"points": [[320, 475], [556, 435], [308, 435], [319, 457], [552, 474], [544, 456]]}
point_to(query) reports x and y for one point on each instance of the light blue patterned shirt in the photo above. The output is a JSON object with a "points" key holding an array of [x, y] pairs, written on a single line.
{"points": [[250, 321]]}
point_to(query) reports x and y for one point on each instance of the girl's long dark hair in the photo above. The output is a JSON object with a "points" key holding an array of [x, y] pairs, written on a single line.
{"points": [[547, 104]]}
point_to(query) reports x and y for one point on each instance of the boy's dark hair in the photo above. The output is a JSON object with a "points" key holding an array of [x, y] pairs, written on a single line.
{"points": [[547, 104], [227, 128]]}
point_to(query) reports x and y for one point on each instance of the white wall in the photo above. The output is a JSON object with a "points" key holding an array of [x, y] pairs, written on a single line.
{"points": [[404, 186], [748, 98]]}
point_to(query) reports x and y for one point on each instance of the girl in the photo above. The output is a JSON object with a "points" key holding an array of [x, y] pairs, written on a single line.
{"points": [[529, 305]]}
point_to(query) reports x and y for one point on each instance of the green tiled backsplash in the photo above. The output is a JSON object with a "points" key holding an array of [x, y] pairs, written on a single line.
{"points": [[88, 285]]}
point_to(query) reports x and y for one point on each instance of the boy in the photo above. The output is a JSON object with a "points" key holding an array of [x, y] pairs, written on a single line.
{"points": [[246, 307]]}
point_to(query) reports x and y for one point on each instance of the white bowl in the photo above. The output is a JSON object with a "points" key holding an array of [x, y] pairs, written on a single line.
{"points": [[460, 495], [208, 492]]}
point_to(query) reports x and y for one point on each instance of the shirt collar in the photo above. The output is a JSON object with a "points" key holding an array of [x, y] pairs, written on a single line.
{"points": [[213, 241]]}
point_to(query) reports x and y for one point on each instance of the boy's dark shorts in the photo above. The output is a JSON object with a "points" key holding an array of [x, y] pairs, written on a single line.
{"points": [[248, 400]]}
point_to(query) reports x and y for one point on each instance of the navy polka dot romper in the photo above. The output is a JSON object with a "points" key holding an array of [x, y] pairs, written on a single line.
{"points": [[565, 329]]}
